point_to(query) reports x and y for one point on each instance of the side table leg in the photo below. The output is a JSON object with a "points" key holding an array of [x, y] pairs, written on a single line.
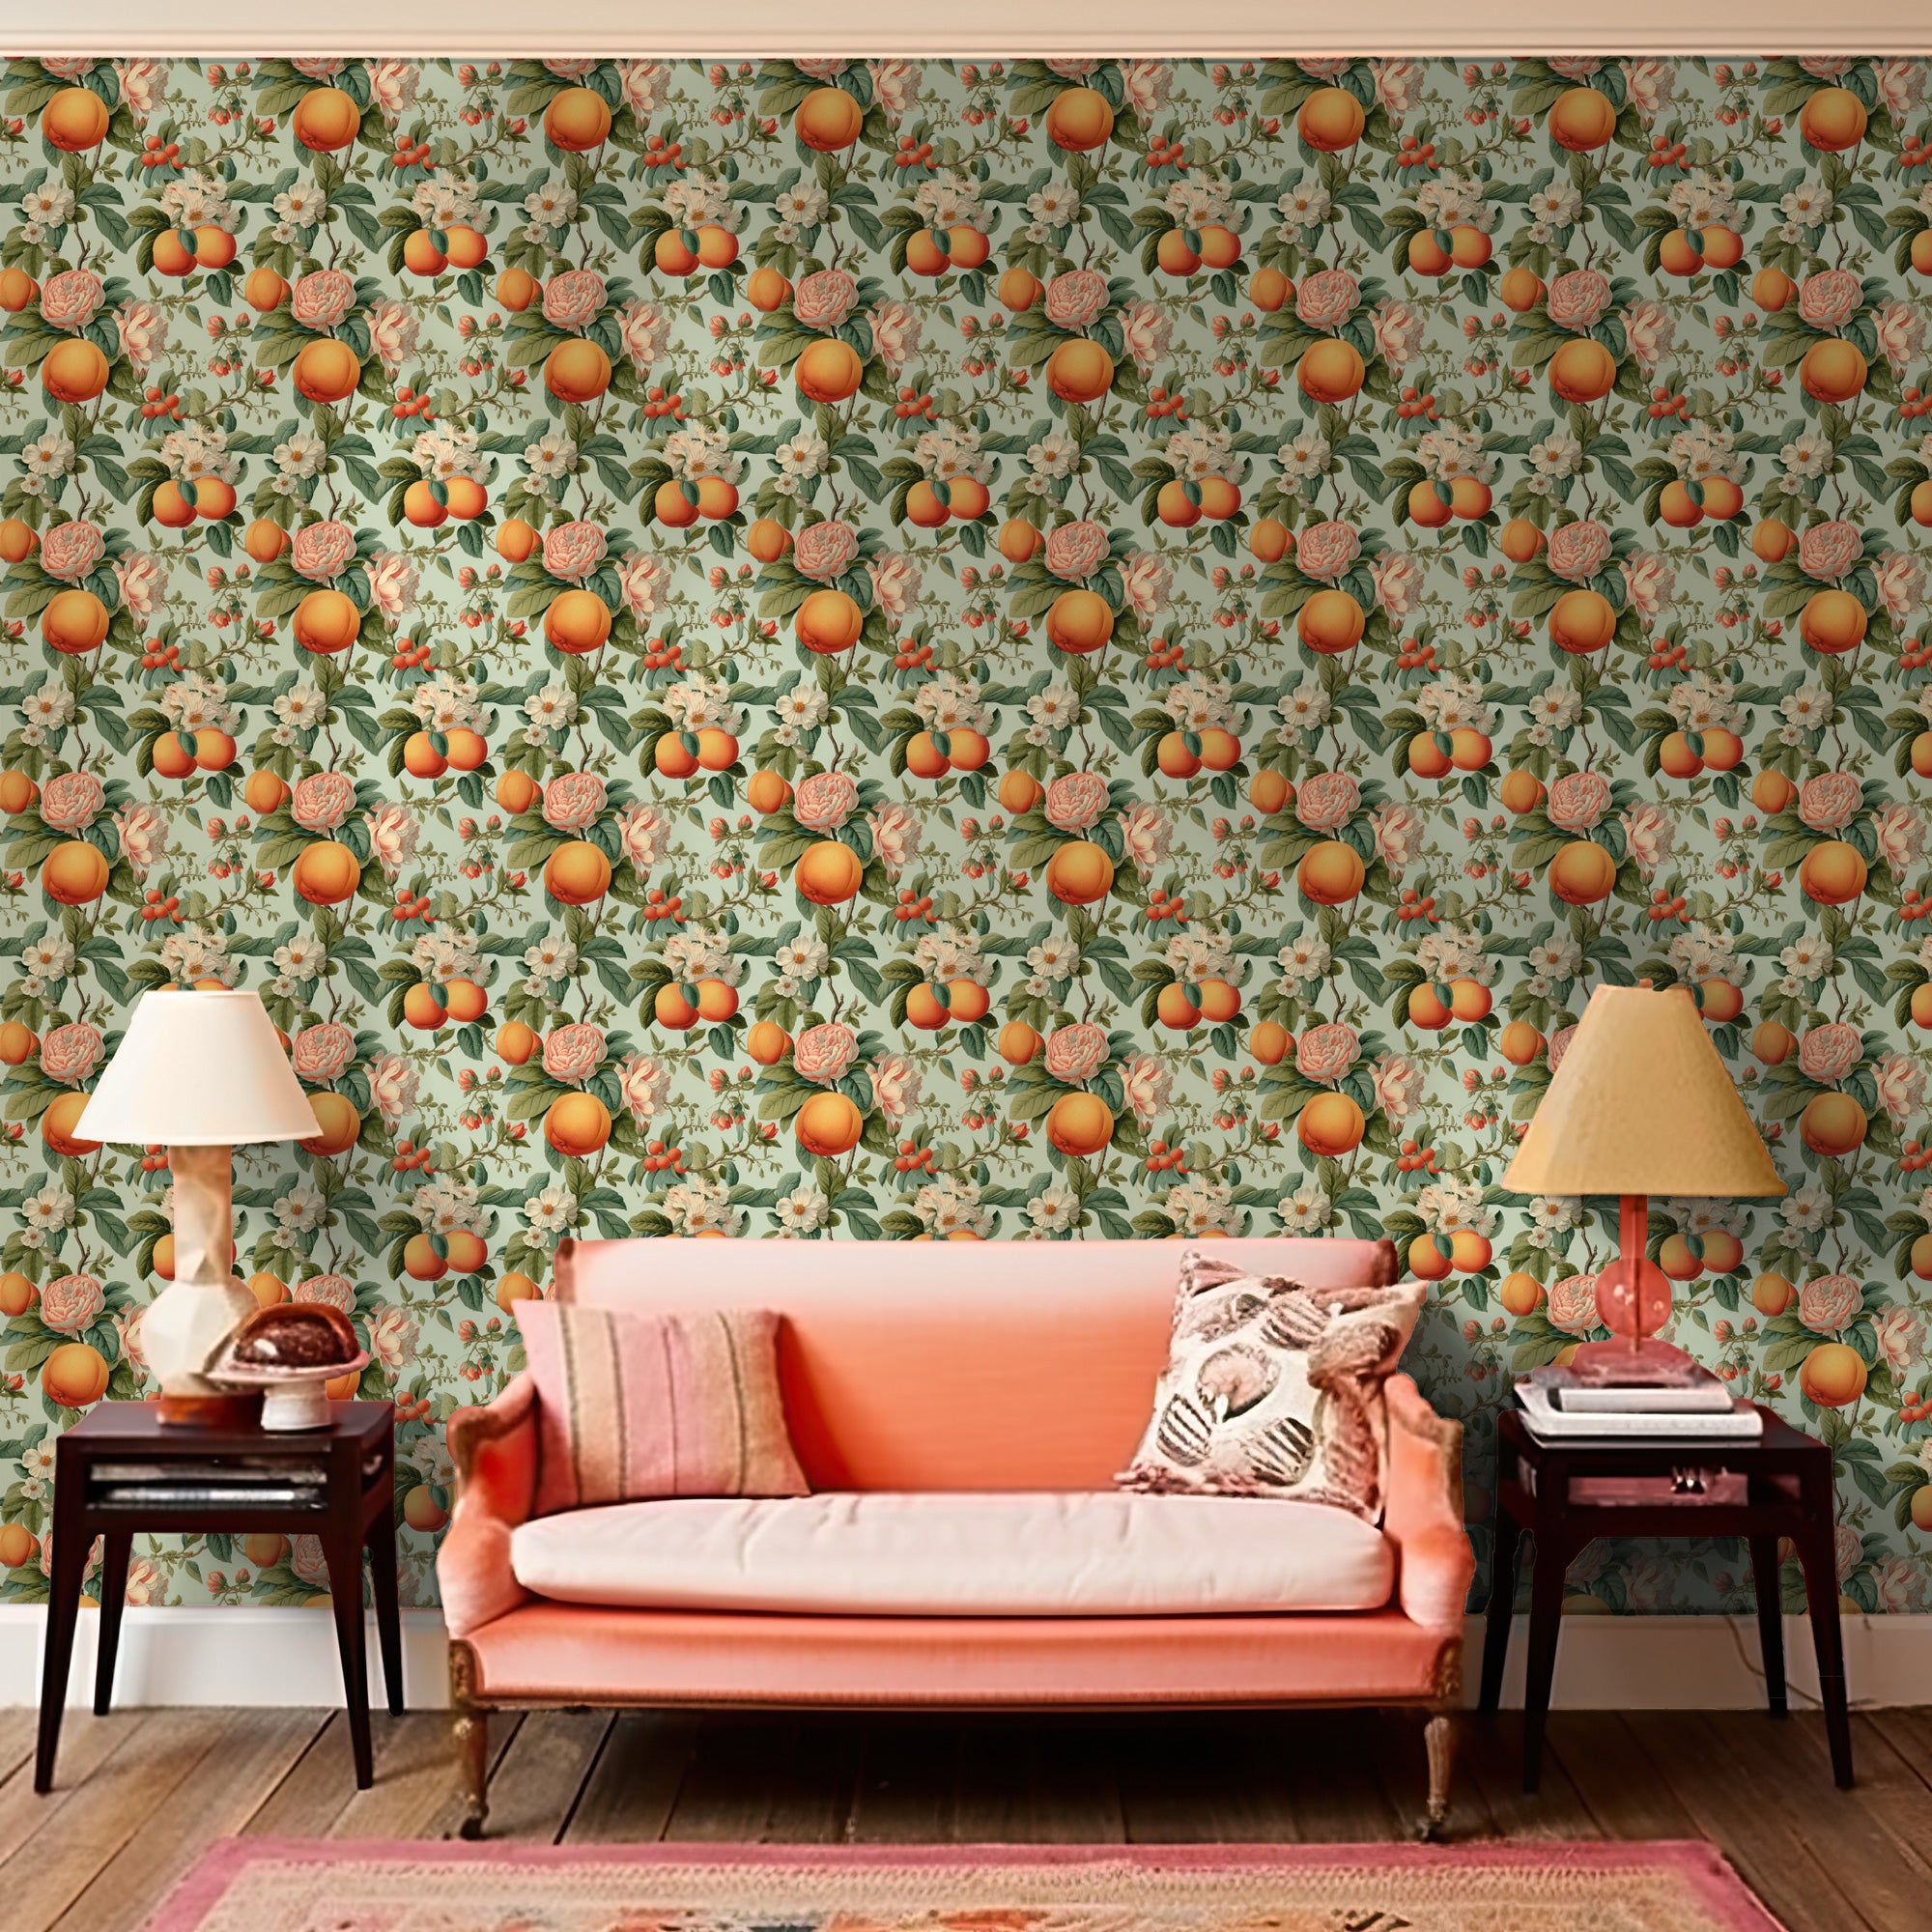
{"points": [[344, 1555], [70, 1566], [1821, 1591], [1770, 1620], [1502, 1609], [1545, 1622], [115, 1548], [384, 1587]]}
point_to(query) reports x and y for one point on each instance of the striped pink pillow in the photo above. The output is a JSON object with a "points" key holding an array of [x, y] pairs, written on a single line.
{"points": [[636, 1407]]}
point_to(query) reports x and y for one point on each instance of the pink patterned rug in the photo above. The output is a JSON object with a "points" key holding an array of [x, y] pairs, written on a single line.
{"points": [[247, 1884]]}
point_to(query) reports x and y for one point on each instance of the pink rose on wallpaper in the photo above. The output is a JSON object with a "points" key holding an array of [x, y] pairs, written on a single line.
{"points": [[1400, 830], [1579, 549], [1399, 85], [895, 1084], [1327, 1053], [573, 801], [393, 332], [644, 330], [645, 579], [71, 801], [1398, 581], [395, 833], [645, 832], [1650, 832], [572, 1054], [573, 298], [824, 801], [144, 837], [319, 66], [1650, 85], [69, 1052], [573, 551], [1559, 1045], [322, 298], [1901, 583], [1076, 1053], [322, 1052], [1075, 550], [1901, 1087], [1828, 1052], [1650, 329], [71, 300], [394, 85], [143, 329], [143, 86], [1148, 578], [897, 330], [1827, 1304], [1831, 550], [642, 1083], [825, 550], [822, 300], [1830, 299], [1400, 329], [1578, 801], [1325, 801], [1398, 1083], [1900, 1335], [393, 1084], [69, 551], [896, 85], [1149, 332], [1076, 299], [897, 832], [1830, 800], [1901, 334], [1326, 298], [1149, 1085], [1327, 550], [322, 801], [1901, 85], [895, 580], [393, 1334], [71, 1302], [645, 85], [1147, 85], [1649, 585], [322, 552], [1573, 1304], [1899, 832], [821, 1054], [1148, 833], [1576, 302], [1076, 800]]}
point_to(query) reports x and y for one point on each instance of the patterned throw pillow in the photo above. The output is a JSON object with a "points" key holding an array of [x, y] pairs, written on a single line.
{"points": [[1272, 1389], [632, 1407]]}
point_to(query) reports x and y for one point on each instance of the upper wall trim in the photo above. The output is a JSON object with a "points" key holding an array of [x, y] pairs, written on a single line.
{"points": [[997, 29]]}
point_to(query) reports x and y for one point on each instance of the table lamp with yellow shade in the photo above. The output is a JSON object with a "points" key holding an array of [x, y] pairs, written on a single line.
{"points": [[202, 1072], [1641, 1104]]}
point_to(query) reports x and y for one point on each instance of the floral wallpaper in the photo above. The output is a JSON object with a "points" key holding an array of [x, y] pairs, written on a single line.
{"points": [[885, 651]]}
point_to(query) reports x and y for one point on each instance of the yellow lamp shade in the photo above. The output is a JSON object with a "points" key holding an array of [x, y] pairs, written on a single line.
{"points": [[1642, 1105]]}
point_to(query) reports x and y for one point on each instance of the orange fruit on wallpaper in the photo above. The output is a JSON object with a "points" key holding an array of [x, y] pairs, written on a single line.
{"points": [[828, 1126], [326, 119], [1331, 872], [1080, 1124], [516, 1043], [75, 120], [1772, 791], [577, 1125], [1079, 371], [75, 872], [577, 873], [1267, 792], [1772, 541], [1427, 1008], [828, 873], [1173, 757], [767, 1042], [464, 748], [1519, 290], [264, 540], [18, 1545], [1833, 621], [1772, 1294], [828, 119], [1330, 1125], [76, 371], [338, 1126], [1018, 1043], [75, 622], [1426, 1261], [829, 371], [17, 288], [1519, 1042], [515, 289], [1269, 290], [671, 1010], [17, 1044], [1582, 621], [325, 622], [422, 1510], [16, 540], [1268, 540], [170, 757], [1833, 1124], [1426, 255], [1269, 1042], [18, 791], [577, 371], [829, 622], [58, 1124], [1331, 622], [577, 622], [1017, 290], [765, 792], [1331, 371], [1833, 371], [265, 791], [1019, 540], [326, 370], [1174, 1009], [1019, 791], [1079, 622], [577, 120], [1772, 1043], [1832, 120], [1582, 371], [767, 540], [264, 290], [1079, 119], [1172, 254], [74, 1375], [1079, 873], [1583, 119], [513, 1287], [1520, 1294], [517, 791], [766, 289], [422, 1261], [516, 540], [1582, 873], [422, 1010], [1771, 289], [1833, 1374], [326, 872], [172, 256], [1330, 120]]}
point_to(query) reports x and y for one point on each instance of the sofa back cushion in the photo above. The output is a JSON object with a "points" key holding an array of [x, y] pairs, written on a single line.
{"points": [[635, 1406], [967, 1365]]}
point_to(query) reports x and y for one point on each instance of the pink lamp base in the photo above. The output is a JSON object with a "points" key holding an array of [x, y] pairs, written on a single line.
{"points": [[1633, 1302]]}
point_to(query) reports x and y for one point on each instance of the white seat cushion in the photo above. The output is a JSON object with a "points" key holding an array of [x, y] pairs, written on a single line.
{"points": [[879, 1554]]}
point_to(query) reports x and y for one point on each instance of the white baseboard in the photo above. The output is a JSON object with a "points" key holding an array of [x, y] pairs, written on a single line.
{"points": [[264, 1656]]}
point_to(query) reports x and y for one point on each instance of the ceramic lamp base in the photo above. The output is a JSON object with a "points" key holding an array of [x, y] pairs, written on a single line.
{"points": [[1633, 1364], [301, 1405]]}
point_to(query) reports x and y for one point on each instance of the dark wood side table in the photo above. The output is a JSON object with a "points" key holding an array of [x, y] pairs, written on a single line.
{"points": [[1789, 1493], [352, 1510]]}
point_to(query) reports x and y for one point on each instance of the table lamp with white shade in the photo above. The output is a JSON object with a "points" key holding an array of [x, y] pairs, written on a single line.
{"points": [[1641, 1104], [200, 1072]]}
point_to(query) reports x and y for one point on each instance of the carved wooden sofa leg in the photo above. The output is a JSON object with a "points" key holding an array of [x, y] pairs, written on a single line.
{"points": [[1440, 1740], [472, 1740]]}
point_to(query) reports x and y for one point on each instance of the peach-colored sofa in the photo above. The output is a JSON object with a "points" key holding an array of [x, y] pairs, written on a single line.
{"points": [[1017, 1374]]}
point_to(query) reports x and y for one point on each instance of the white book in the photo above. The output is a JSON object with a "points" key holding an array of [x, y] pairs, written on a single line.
{"points": [[1740, 1422], [1573, 1398]]}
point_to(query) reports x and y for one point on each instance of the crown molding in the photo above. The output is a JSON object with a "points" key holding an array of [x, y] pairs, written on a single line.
{"points": [[997, 29]]}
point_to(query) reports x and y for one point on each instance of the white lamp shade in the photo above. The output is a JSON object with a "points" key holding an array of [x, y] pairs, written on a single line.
{"points": [[199, 1069]]}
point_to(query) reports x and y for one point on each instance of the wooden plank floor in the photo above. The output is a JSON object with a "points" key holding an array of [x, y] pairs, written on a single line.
{"points": [[141, 1792]]}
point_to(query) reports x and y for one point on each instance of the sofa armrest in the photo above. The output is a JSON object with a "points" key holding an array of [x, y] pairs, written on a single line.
{"points": [[495, 1450], [1423, 1516]]}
